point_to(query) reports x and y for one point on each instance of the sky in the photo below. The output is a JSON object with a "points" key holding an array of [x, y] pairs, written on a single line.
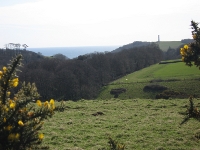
{"points": [[66, 23]]}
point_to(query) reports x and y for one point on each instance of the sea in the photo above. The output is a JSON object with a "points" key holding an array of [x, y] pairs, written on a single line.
{"points": [[72, 52]]}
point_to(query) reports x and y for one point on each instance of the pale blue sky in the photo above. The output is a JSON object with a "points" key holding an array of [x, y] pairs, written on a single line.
{"points": [[60, 23]]}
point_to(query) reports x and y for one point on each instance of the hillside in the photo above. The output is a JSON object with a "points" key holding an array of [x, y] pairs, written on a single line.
{"points": [[164, 45], [28, 56], [131, 45], [181, 81]]}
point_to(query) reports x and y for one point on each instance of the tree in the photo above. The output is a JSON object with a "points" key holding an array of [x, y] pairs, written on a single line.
{"points": [[60, 56]]}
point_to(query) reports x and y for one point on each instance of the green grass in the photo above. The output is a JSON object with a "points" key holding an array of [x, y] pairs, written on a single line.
{"points": [[164, 45], [135, 118], [138, 123], [186, 80]]}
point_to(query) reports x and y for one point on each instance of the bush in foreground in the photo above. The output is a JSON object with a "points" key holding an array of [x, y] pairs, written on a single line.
{"points": [[21, 118]]}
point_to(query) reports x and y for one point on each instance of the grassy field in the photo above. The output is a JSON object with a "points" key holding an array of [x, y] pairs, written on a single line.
{"points": [[138, 123], [135, 118], [175, 76], [164, 45]]}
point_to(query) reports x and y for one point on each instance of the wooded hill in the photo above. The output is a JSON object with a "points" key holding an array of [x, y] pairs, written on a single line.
{"points": [[82, 77]]}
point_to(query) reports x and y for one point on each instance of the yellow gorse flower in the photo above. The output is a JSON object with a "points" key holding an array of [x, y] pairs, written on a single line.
{"points": [[12, 105], [41, 136], [185, 51], [52, 103], [4, 69], [39, 103], [17, 135], [20, 123], [46, 104], [15, 82], [5, 108], [1, 73], [11, 137], [8, 128], [8, 93], [4, 119], [186, 47]]}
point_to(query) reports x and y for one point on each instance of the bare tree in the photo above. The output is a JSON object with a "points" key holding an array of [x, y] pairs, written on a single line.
{"points": [[25, 46]]}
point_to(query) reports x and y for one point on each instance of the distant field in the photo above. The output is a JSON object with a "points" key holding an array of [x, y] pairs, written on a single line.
{"points": [[140, 124], [164, 45], [182, 79]]}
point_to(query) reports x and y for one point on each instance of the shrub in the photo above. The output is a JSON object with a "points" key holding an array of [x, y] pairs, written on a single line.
{"points": [[116, 92], [171, 94], [21, 119], [190, 52], [154, 88], [192, 112]]}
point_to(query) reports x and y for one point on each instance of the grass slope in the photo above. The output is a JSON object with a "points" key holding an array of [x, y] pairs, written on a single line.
{"points": [[138, 123], [176, 76], [164, 45]]}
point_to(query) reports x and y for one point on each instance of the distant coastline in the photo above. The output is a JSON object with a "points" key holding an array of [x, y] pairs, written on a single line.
{"points": [[72, 52]]}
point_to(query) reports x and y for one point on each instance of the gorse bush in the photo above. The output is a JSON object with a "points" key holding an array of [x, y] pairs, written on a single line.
{"points": [[191, 52], [191, 55], [192, 112], [21, 113], [114, 145]]}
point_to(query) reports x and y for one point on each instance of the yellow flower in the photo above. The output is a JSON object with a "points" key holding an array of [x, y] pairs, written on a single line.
{"points": [[17, 135], [12, 105], [9, 127], [46, 104], [186, 47], [53, 107], [15, 84], [20, 123], [8, 93], [11, 137], [52, 101], [41, 136], [39, 103], [15, 80], [5, 108], [4, 119], [4, 69], [1, 73]]}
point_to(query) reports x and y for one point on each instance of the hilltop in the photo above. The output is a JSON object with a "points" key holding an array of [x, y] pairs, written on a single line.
{"points": [[163, 45]]}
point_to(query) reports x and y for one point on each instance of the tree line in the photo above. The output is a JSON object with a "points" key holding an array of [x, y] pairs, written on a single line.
{"points": [[83, 77]]}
